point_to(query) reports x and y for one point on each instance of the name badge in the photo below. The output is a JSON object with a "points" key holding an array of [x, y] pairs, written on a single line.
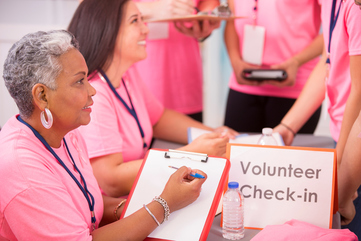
{"points": [[158, 31], [253, 44]]}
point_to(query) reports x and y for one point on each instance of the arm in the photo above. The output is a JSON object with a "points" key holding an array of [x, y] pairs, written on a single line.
{"points": [[173, 126], [115, 177], [305, 106], [349, 178], [180, 191], [232, 44], [353, 104], [292, 64]]}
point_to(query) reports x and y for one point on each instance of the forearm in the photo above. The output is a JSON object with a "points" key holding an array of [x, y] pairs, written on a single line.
{"points": [[353, 105], [114, 176], [231, 40], [134, 227], [207, 5], [311, 97], [349, 178], [110, 204], [313, 50], [173, 126]]}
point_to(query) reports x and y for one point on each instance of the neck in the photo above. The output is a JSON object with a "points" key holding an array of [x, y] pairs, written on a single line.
{"points": [[52, 136], [116, 71]]}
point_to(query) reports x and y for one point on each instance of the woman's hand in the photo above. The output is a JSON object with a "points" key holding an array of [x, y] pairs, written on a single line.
{"points": [[182, 189], [174, 8], [238, 67], [197, 29], [290, 66], [347, 212], [226, 131], [213, 144], [286, 134]]}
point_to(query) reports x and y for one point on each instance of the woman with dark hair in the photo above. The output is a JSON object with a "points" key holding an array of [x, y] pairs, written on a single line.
{"points": [[126, 115], [48, 190]]}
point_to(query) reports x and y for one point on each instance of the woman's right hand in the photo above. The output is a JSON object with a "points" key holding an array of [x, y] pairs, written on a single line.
{"points": [[238, 69], [213, 144], [182, 189], [174, 8]]}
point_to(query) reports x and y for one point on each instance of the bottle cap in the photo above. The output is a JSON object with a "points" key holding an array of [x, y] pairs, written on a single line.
{"points": [[267, 131], [233, 185]]}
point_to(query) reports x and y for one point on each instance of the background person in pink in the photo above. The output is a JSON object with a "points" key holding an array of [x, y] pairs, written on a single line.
{"points": [[125, 114], [291, 42], [46, 176], [342, 85], [173, 67]]}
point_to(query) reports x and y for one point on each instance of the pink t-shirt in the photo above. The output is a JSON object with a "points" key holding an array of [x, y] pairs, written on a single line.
{"points": [[38, 198], [290, 27], [173, 71], [112, 128], [345, 42]]}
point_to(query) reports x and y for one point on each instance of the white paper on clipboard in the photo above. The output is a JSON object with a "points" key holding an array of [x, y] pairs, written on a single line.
{"points": [[151, 181]]}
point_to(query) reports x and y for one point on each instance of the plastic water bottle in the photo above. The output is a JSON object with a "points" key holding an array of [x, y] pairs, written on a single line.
{"points": [[233, 213], [267, 138]]}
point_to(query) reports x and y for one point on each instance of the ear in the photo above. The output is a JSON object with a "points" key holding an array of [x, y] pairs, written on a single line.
{"points": [[40, 93]]}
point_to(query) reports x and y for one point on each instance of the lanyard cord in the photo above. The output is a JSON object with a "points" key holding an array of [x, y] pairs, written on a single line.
{"points": [[84, 189], [255, 9], [333, 20], [130, 110]]}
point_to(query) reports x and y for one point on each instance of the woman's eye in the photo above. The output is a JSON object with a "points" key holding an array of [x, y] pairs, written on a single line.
{"points": [[135, 20], [80, 81]]}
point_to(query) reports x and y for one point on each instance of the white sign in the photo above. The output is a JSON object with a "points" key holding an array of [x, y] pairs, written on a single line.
{"points": [[284, 183]]}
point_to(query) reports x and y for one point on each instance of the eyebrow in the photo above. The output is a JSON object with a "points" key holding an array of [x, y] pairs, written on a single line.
{"points": [[132, 16], [80, 72]]}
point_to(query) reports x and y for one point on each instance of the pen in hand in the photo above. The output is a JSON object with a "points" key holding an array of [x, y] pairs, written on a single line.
{"points": [[196, 175]]}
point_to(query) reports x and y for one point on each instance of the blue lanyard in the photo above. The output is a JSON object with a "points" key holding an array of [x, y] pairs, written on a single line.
{"points": [[130, 110], [333, 20], [84, 189]]}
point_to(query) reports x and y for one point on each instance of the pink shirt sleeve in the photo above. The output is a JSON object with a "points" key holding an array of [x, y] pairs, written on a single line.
{"points": [[353, 19]]}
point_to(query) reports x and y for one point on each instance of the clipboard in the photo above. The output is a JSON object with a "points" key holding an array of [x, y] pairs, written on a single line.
{"points": [[283, 183], [193, 17], [154, 174]]}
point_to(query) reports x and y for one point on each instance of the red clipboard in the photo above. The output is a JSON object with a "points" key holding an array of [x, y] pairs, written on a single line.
{"points": [[194, 221]]}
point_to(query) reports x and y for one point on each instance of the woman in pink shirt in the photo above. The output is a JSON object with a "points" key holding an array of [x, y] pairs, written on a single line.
{"points": [[126, 116], [341, 80], [291, 42], [48, 190]]}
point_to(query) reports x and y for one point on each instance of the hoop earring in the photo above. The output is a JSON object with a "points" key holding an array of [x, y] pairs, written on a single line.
{"points": [[49, 123]]}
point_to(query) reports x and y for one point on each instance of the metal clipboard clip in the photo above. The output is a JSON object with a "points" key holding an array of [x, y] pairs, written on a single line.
{"points": [[185, 154], [220, 11]]}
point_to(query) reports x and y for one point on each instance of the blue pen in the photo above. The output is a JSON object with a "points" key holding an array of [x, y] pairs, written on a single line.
{"points": [[196, 175]]}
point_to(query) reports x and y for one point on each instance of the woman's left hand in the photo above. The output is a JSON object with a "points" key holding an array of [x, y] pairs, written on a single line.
{"points": [[197, 29], [226, 131], [291, 67]]}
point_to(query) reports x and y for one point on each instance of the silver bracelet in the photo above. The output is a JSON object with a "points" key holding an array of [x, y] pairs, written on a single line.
{"points": [[165, 207], [151, 214]]}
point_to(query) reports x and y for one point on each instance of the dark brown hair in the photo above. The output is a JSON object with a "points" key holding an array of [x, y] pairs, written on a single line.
{"points": [[95, 25]]}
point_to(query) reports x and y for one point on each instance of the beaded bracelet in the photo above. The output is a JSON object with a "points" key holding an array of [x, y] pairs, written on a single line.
{"points": [[165, 207], [288, 128], [151, 214], [117, 207]]}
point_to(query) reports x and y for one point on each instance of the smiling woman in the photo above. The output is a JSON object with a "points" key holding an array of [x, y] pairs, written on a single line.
{"points": [[45, 173]]}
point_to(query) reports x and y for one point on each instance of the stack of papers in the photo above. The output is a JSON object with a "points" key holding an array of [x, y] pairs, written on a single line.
{"points": [[193, 133]]}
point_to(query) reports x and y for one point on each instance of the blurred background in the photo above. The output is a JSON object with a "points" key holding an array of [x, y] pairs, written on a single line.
{"points": [[19, 17]]}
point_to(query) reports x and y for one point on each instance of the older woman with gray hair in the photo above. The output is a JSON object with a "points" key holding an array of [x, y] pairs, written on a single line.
{"points": [[48, 190]]}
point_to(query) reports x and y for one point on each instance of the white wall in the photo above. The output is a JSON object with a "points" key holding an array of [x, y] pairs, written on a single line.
{"points": [[19, 17]]}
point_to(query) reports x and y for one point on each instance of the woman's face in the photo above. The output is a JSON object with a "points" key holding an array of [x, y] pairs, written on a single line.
{"points": [[70, 102], [131, 37]]}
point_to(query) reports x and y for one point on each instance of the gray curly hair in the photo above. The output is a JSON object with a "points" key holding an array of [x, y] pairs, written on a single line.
{"points": [[35, 59]]}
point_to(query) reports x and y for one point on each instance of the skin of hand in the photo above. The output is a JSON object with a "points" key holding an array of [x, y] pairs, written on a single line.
{"points": [[197, 29], [347, 212], [182, 189], [212, 144], [238, 68], [286, 134], [226, 131], [174, 8], [291, 67]]}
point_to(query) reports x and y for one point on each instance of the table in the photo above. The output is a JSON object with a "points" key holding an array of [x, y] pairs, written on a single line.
{"points": [[304, 140]]}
